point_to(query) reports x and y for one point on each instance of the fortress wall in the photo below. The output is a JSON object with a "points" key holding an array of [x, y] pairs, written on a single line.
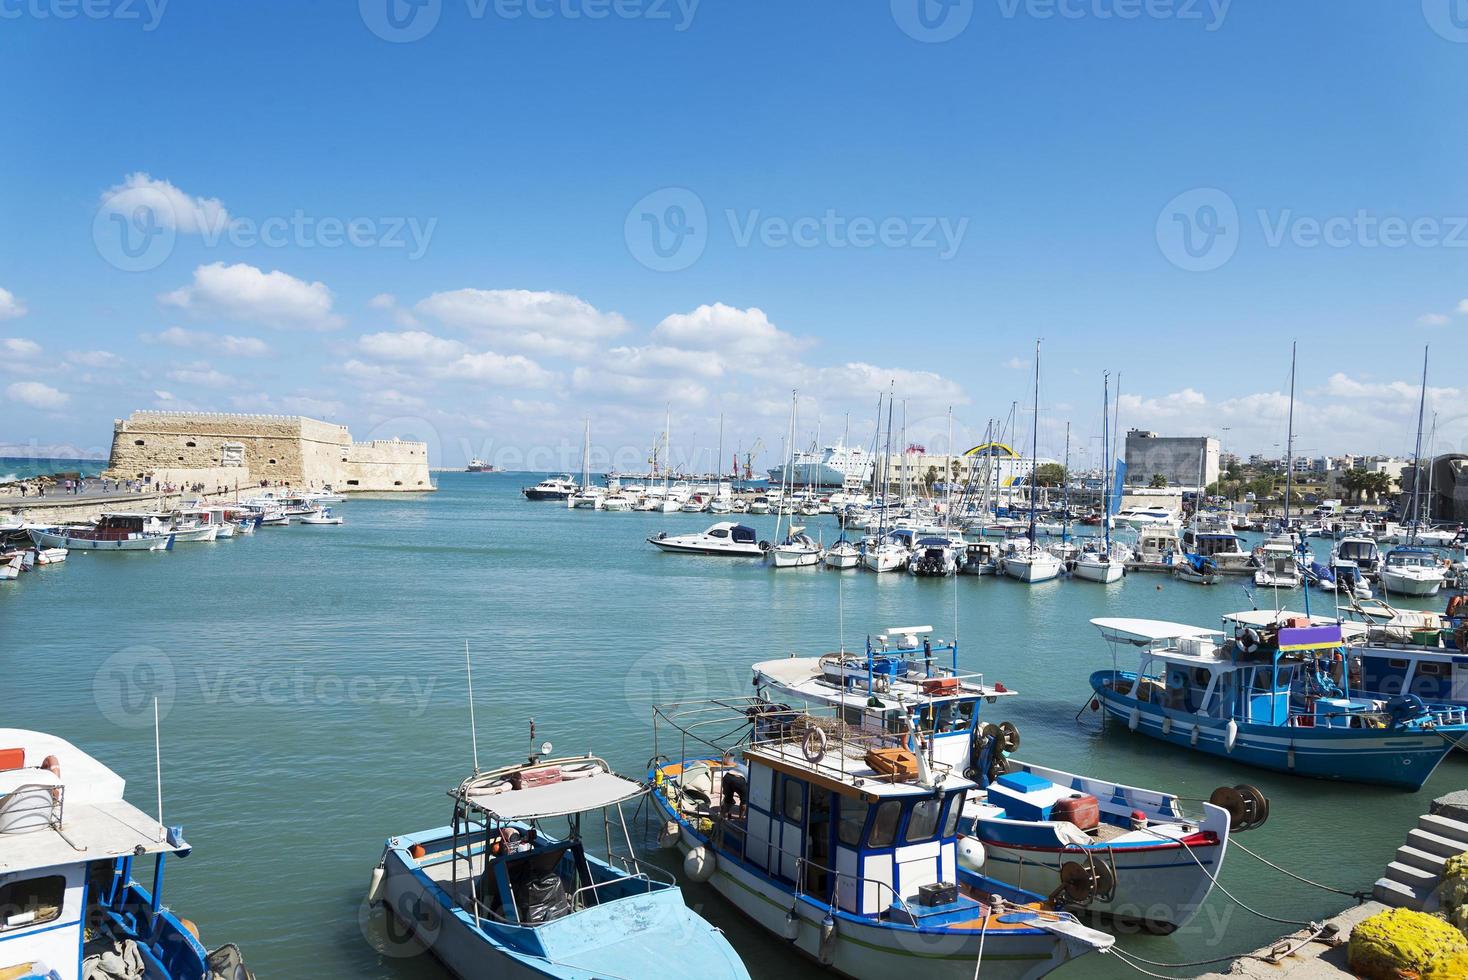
{"points": [[276, 448]]}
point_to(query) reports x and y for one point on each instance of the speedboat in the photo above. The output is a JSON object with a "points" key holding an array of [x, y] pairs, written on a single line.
{"points": [[798, 550], [617, 501], [1412, 572], [724, 538], [1025, 814], [1277, 566], [552, 488], [1360, 551], [73, 853], [759, 505], [934, 556], [111, 532], [498, 893], [1230, 694], [1140, 517], [322, 515], [846, 843]]}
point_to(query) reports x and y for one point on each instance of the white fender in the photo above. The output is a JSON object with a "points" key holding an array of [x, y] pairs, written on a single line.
{"points": [[374, 890], [1135, 719], [1230, 735], [1167, 726], [668, 835], [699, 864], [792, 925], [828, 938], [1195, 734], [1290, 757], [971, 853]]}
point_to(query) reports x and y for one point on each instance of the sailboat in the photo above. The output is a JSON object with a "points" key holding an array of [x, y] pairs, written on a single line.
{"points": [[1413, 570], [1092, 564], [884, 553], [1278, 568], [797, 549], [587, 497], [1029, 562]]}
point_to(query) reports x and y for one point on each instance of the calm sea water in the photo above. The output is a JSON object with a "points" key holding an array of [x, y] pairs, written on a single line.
{"points": [[314, 703], [20, 467]]}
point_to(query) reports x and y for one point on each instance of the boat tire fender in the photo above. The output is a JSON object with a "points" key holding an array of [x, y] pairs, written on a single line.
{"points": [[813, 746]]}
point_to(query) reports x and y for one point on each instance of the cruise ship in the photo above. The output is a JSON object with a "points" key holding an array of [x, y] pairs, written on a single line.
{"points": [[833, 466]]}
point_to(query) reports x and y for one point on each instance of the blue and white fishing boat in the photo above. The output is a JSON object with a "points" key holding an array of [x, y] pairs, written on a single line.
{"points": [[1230, 694], [1032, 820], [495, 894], [71, 852], [847, 845], [111, 532], [1406, 651]]}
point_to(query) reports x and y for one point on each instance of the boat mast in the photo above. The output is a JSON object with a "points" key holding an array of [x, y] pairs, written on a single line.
{"points": [[1417, 457], [586, 456], [1290, 443], [1065, 490], [667, 449], [1034, 447], [886, 476], [1106, 457]]}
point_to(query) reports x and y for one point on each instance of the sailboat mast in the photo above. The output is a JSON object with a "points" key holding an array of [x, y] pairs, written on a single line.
{"points": [[1417, 457], [1290, 443], [1034, 446], [1106, 457], [1065, 490]]}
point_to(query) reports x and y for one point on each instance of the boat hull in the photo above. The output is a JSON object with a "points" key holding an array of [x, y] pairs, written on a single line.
{"points": [[1404, 759], [1031, 571], [683, 547], [1410, 585], [1103, 572]]}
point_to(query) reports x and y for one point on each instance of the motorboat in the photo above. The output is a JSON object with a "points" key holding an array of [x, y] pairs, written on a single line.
{"points": [[759, 505], [1278, 568], [587, 498], [724, 538], [1140, 517], [1221, 545], [1360, 551], [510, 888], [1164, 859], [720, 505], [477, 465], [1158, 549], [1230, 694], [74, 852], [322, 515], [797, 550], [111, 532], [551, 488], [980, 558], [934, 556], [846, 843], [1412, 572], [617, 501], [843, 554], [1196, 569]]}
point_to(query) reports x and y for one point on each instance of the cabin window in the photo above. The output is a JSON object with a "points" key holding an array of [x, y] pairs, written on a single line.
{"points": [[793, 801], [718, 532], [924, 820], [31, 901], [853, 819], [884, 825], [955, 810], [1435, 670], [744, 535], [1397, 664]]}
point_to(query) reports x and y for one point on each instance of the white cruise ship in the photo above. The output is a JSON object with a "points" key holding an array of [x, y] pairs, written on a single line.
{"points": [[833, 466]]}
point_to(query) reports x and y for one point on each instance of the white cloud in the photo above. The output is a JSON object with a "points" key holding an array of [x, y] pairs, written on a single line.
{"points": [[388, 303], [243, 292], [1463, 306], [202, 373], [542, 322], [173, 208], [93, 358], [1432, 320], [412, 346], [10, 307], [510, 370], [199, 340], [392, 398], [1016, 363], [656, 359], [36, 395], [746, 338], [20, 347]]}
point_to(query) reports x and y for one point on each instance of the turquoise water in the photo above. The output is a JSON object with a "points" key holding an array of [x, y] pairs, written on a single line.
{"points": [[312, 681], [20, 467]]}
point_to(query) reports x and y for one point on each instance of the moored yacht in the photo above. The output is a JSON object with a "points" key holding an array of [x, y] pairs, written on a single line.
{"points": [[1412, 572], [724, 538], [551, 488]]}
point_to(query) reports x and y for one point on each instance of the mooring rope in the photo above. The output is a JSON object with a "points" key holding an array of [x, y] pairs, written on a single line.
{"points": [[1239, 902], [1359, 896]]}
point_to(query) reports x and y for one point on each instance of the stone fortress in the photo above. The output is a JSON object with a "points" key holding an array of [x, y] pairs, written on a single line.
{"points": [[229, 450]]}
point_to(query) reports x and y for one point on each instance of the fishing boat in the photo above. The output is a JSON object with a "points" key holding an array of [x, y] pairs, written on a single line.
{"points": [[724, 538], [322, 515], [111, 532], [499, 893], [797, 550], [846, 844], [1406, 651], [1159, 862], [1196, 569], [1278, 568], [72, 859], [1230, 694], [1412, 572], [551, 488]]}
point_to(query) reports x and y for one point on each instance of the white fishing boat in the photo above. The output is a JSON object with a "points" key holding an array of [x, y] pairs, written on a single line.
{"points": [[111, 532], [322, 515], [1277, 566], [725, 538]]}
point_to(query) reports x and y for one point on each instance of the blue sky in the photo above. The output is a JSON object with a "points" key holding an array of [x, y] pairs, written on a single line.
{"points": [[1168, 189]]}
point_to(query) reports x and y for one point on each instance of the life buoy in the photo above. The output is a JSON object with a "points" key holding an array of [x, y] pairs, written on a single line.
{"points": [[813, 746]]}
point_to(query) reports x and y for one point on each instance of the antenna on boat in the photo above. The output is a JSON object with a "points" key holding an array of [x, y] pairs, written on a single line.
{"points": [[158, 764], [473, 732]]}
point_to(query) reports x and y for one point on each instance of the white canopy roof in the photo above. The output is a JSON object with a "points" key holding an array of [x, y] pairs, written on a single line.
{"points": [[1141, 632], [593, 792]]}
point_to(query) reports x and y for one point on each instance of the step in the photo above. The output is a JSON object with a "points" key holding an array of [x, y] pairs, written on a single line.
{"points": [[1410, 875], [1424, 841], [1394, 893], [1454, 830], [1426, 860]]}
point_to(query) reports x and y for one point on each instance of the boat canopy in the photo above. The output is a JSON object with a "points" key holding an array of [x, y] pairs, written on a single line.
{"points": [[598, 790], [1141, 632]]}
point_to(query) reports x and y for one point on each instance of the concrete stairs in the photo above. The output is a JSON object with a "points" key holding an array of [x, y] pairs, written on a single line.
{"points": [[1411, 880]]}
